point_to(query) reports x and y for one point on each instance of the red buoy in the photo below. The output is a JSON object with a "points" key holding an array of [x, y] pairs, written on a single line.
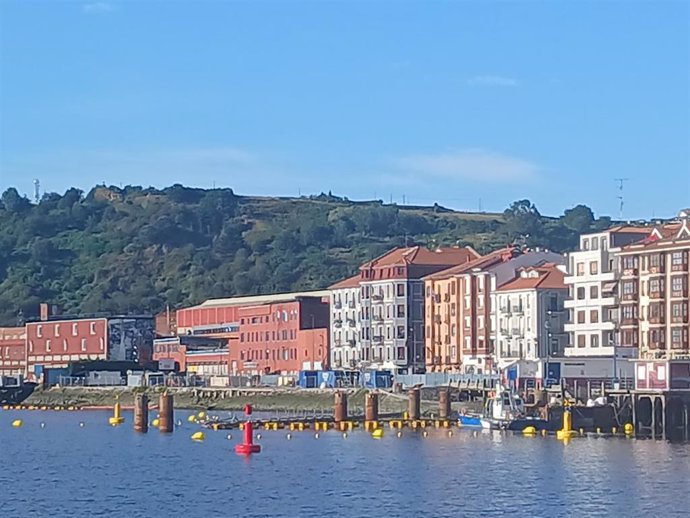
{"points": [[248, 447]]}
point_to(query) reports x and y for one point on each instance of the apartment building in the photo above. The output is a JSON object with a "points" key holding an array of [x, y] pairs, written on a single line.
{"points": [[460, 323], [530, 316], [593, 296], [654, 295], [12, 351], [388, 327], [346, 324]]}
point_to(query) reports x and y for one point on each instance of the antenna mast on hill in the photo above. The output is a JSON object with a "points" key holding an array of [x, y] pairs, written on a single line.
{"points": [[37, 190], [621, 181]]}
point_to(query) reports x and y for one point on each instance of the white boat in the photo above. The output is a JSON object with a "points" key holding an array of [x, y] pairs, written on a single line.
{"points": [[501, 409]]}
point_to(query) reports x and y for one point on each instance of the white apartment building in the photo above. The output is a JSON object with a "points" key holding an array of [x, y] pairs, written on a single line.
{"points": [[347, 351], [530, 316], [593, 294]]}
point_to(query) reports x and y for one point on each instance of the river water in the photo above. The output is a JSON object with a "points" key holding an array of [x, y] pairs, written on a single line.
{"points": [[64, 469]]}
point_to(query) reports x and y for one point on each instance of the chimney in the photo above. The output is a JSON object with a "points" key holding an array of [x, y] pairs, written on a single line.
{"points": [[44, 311]]}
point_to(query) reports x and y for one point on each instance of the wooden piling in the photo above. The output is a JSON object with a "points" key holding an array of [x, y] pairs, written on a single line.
{"points": [[371, 409], [165, 408], [141, 413], [413, 404], [443, 403], [340, 410]]}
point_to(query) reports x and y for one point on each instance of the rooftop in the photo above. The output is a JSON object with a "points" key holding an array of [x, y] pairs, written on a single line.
{"points": [[419, 255], [545, 277], [262, 299], [350, 282], [478, 263]]}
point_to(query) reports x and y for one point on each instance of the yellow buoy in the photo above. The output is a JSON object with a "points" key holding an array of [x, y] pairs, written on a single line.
{"points": [[198, 436], [156, 422], [117, 413], [529, 430], [629, 429], [377, 433], [192, 418], [17, 423], [201, 415]]}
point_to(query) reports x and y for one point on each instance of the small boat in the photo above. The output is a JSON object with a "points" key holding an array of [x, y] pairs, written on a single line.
{"points": [[502, 409], [470, 420]]}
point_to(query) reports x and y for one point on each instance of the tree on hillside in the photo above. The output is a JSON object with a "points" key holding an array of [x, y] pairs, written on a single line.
{"points": [[579, 218], [523, 222]]}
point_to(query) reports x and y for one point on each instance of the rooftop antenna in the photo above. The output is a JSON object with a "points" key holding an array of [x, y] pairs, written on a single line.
{"points": [[620, 181], [37, 190]]}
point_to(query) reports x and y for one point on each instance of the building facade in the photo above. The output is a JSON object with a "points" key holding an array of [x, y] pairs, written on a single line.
{"points": [[346, 324], [654, 299], [390, 317], [12, 351], [593, 298], [530, 316], [52, 344], [280, 333], [460, 320]]}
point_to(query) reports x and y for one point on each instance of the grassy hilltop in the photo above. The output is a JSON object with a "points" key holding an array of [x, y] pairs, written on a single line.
{"points": [[138, 250]]}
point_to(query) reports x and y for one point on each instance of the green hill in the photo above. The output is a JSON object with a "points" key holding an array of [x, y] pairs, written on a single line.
{"points": [[138, 250]]}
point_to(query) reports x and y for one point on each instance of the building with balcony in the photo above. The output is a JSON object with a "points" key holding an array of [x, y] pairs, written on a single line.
{"points": [[654, 292], [530, 317], [389, 310], [12, 351], [594, 294], [460, 323], [346, 324]]}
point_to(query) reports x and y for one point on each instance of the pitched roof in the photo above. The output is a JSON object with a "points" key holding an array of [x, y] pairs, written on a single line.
{"points": [[480, 262], [418, 255], [661, 236], [350, 282], [629, 229], [549, 277]]}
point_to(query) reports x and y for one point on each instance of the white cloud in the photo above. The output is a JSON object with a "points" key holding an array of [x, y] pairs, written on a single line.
{"points": [[98, 7], [469, 164], [492, 81]]}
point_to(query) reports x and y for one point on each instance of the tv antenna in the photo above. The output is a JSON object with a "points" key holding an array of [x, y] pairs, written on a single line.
{"points": [[621, 182], [37, 190]]}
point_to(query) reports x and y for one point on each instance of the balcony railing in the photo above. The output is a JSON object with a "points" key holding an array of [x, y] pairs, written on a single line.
{"points": [[338, 305], [351, 304], [351, 322], [630, 272], [377, 298], [338, 323], [377, 339]]}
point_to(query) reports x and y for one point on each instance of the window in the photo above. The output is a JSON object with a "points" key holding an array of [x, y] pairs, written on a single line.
{"points": [[594, 292], [452, 288], [480, 283], [39, 331], [655, 286], [580, 268], [604, 244], [74, 329], [452, 309], [676, 335], [480, 322], [677, 258], [64, 345], [580, 294], [401, 290], [594, 316], [629, 288], [595, 341], [585, 244], [593, 268], [452, 330], [400, 313], [580, 317], [629, 312], [629, 262], [101, 341], [241, 337], [92, 328], [83, 344], [654, 260], [466, 281], [595, 243], [47, 346], [57, 330], [401, 333], [677, 284], [467, 322]]}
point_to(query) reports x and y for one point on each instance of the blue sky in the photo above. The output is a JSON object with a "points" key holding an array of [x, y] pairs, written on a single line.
{"points": [[447, 102]]}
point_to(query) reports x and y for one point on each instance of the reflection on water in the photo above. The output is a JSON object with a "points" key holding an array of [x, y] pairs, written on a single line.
{"points": [[97, 470]]}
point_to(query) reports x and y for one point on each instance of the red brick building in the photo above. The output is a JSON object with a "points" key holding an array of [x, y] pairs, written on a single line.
{"points": [[282, 333], [57, 343], [12, 351]]}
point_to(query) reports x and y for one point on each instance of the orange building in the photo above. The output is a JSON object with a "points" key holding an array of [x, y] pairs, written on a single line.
{"points": [[654, 292], [12, 351], [459, 334]]}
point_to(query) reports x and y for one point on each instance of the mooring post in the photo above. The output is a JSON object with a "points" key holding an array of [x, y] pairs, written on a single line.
{"points": [[413, 404], [340, 410], [141, 413], [165, 407], [443, 403], [371, 408]]}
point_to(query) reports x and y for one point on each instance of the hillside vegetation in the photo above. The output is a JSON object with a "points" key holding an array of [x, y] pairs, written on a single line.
{"points": [[138, 250]]}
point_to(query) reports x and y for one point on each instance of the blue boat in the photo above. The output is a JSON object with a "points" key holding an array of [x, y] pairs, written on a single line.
{"points": [[470, 420]]}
